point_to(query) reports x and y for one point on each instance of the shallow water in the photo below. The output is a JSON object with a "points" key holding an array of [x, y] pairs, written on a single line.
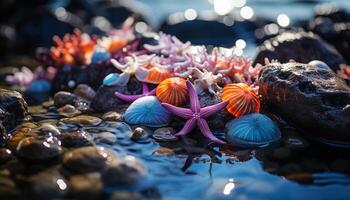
{"points": [[295, 168]]}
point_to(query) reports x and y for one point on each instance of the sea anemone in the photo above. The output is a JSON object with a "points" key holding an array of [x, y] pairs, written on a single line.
{"points": [[242, 99], [147, 111], [172, 91], [253, 130]]}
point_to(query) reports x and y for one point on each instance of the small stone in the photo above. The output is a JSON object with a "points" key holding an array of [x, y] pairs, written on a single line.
{"points": [[37, 110], [112, 116], [84, 91], [62, 98], [16, 138], [128, 170], [88, 159], [5, 155], [82, 104], [83, 120], [38, 148], [48, 130], [139, 134], [86, 186], [8, 189], [68, 111], [164, 151], [106, 137], [48, 103], [76, 139], [165, 134]]}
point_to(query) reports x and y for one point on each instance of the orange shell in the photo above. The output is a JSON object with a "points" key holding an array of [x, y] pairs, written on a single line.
{"points": [[172, 91], [242, 99], [157, 75]]}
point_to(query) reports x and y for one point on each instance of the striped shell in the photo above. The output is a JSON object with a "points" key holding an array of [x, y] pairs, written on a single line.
{"points": [[252, 130], [242, 99], [172, 91], [147, 111], [157, 75]]}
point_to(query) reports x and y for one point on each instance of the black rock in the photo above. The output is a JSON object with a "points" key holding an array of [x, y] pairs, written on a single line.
{"points": [[13, 109], [69, 77], [300, 46], [313, 99]]}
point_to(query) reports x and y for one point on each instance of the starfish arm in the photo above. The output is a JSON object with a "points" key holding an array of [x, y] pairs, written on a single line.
{"points": [[117, 65], [188, 127], [128, 98], [203, 126], [141, 74], [210, 110], [123, 79], [181, 112], [194, 101]]}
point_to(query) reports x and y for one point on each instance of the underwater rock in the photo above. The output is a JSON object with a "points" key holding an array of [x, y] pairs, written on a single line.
{"points": [[83, 120], [8, 189], [48, 130], [63, 98], [68, 111], [112, 116], [13, 109], [105, 100], [147, 111], [88, 159], [84, 91], [299, 46], [85, 186], [5, 155], [166, 134], [139, 134], [39, 148], [127, 170], [106, 137], [252, 130], [313, 99], [76, 139]]}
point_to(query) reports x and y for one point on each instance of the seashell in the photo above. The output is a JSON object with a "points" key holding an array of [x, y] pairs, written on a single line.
{"points": [[172, 91], [147, 111], [318, 64], [252, 130], [242, 99], [112, 79], [157, 75], [99, 56]]}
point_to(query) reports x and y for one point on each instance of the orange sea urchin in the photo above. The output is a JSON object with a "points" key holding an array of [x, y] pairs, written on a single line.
{"points": [[172, 91], [242, 99]]}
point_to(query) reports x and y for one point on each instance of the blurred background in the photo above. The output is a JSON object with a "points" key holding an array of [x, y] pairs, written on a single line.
{"points": [[27, 25]]}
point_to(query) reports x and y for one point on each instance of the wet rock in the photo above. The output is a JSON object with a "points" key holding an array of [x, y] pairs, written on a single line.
{"points": [[313, 99], [39, 148], [105, 100], [336, 33], [128, 170], [48, 130], [69, 77], [17, 136], [48, 184], [8, 189], [88, 159], [37, 110], [300, 46], [164, 151], [82, 105], [112, 116], [126, 196], [5, 155], [83, 120], [165, 134], [84, 91], [85, 186], [13, 109], [216, 121], [76, 139], [106, 137], [68, 111], [63, 98], [139, 134]]}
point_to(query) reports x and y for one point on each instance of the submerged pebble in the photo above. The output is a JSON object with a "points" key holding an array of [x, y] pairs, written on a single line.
{"points": [[63, 98], [88, 159], [165, 134], [139, 134], [39, 149], [112, 116], [84, 91], [48, 130], [106, 137], [76, 139], [83, 120], [68, 111], [5, 155], [86, 186]]}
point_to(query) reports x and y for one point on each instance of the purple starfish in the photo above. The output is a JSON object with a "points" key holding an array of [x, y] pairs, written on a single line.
{"points": [[196, 114], [131, 98]]}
